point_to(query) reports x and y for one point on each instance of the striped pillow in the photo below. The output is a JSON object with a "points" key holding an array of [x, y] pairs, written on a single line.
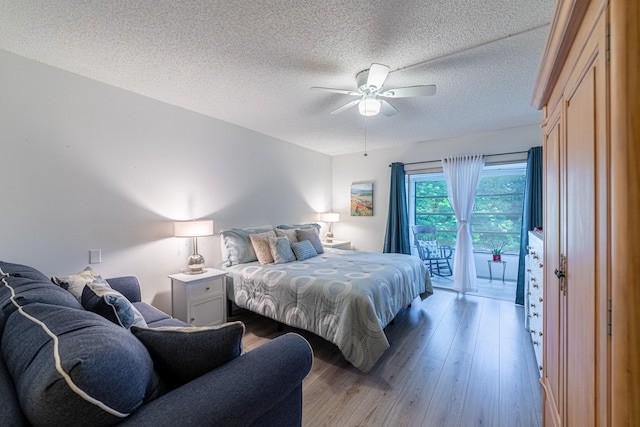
{"points": [[303, 250]]}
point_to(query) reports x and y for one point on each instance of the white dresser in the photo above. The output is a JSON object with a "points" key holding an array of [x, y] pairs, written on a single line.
{"points": [[199, 299], [534, 295]]}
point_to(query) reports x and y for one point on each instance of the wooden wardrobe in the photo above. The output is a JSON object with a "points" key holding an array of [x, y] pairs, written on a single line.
{"points": [[588, 89]]}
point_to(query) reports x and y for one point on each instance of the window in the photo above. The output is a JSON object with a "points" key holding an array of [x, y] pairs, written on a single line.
{"points": [[497, 213]]}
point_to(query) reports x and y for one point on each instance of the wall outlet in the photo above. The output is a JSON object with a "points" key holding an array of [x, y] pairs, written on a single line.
{"points": [[95, 256]]}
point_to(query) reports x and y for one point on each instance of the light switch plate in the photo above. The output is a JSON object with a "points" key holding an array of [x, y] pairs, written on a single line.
{"points": [[95, 256]]}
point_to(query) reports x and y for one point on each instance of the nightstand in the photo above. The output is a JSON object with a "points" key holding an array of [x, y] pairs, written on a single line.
{"points": [[199, 299], [338, 244]]}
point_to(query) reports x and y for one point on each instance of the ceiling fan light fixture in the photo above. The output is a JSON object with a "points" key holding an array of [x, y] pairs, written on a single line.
{"points": [[369, 107]]}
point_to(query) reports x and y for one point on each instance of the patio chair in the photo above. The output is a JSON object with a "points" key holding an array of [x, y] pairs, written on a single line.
{"points": [[438, 257]]}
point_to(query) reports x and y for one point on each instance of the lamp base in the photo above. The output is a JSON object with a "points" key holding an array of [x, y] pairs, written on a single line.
{"points": [[196, 264], [329, 237]]}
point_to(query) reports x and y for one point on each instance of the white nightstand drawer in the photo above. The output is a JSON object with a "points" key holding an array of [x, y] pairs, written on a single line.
{"points": [[206, 290]]}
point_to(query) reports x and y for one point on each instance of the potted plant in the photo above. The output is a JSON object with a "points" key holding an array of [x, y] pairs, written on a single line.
{"points": [[496, 249]]}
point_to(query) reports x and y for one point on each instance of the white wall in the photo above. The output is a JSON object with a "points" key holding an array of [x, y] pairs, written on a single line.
{"points": [[88, 166], [367, 233]]}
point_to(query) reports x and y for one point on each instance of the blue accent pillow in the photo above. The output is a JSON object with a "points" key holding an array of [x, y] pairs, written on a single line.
{"points": [[67, 361], [303, 250], [281, 250], [101, 299], [311, 236], [181, 354]]}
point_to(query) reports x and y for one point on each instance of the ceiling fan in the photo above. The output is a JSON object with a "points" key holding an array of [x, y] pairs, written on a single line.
{"points": [[369, 91]]}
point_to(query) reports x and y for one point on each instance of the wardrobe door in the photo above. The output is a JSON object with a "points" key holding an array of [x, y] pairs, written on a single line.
{"points": [[585, 119], [552, 360]]}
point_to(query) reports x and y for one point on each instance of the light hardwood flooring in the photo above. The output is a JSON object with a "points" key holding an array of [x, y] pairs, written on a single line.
{"points": [[454, 360]]}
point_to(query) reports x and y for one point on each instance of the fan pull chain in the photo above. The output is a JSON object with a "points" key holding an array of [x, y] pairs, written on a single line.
{"points": [[365, 135]]}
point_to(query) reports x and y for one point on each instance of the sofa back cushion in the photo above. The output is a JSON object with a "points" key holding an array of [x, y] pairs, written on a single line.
{"points": [[10, 414], [73, 367], [21, 285]]}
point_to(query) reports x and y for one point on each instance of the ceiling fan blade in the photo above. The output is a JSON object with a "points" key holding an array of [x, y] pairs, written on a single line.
{"points": [[342, 91], [387, 109], [408, 92], [346, 106], [377, 75]]}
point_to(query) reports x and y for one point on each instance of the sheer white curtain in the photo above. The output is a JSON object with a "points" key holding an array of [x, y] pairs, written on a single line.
{"points": [[462, 175]]}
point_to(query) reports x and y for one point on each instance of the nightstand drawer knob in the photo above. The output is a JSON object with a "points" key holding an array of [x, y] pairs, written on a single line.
{"points": [[207, 289]]}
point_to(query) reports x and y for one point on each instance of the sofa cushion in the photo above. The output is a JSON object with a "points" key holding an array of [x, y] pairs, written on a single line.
{"points": [[182, 354], [21, 285], [111, 304], [19, 270], [73, 367], [155, 317], [11, 414]]}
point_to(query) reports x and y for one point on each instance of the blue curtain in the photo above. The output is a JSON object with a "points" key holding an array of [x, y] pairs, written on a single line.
{"points": [[531, 212], [396, 239]]}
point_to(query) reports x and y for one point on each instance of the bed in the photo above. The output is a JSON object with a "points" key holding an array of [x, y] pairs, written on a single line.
{"points": [[345, 297]]}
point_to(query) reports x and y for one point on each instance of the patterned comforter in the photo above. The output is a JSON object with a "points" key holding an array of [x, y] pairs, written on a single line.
{"points": [[345, 297]]}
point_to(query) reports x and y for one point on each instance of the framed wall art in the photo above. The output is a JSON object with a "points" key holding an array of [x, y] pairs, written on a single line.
{"points": [[362, 199]]}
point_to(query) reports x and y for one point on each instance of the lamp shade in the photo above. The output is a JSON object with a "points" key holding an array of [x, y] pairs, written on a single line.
{"points": [[330, 217], [193, 228]]}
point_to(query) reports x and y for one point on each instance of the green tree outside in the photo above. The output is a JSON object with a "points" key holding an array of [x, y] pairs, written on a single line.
{"points": [[497, 213]]}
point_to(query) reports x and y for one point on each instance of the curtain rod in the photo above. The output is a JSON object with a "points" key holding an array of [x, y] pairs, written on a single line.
{"points": [[488, 155]]}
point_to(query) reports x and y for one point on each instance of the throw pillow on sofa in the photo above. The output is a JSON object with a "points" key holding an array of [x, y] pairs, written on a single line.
{"points": [[75, 283], [72, 367], [111, 304], [95, 294], [181, 354]]}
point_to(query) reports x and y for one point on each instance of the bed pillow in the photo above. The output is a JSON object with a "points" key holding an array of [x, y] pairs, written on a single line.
{"points": [[238, 244], [281, 250], [181, 354], [312, 226], [101, 299], [260, 242], [303, 250], [289, 233], [75, 283], [311, 236]]}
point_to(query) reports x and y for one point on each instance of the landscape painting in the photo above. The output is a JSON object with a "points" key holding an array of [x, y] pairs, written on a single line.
{"points": [[362, 199]]}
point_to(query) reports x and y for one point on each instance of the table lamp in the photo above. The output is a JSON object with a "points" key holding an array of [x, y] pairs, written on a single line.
{"points": [[329, 217], [194, 229]]}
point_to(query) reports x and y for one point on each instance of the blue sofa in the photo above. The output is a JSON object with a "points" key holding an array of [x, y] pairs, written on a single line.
{"points": [[63, 365]]}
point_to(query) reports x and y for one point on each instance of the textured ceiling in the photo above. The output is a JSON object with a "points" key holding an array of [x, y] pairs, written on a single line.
{"points": [[252, 62]]}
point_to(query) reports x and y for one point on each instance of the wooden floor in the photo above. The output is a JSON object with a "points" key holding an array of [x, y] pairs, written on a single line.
{"points": [[454, 360]]}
